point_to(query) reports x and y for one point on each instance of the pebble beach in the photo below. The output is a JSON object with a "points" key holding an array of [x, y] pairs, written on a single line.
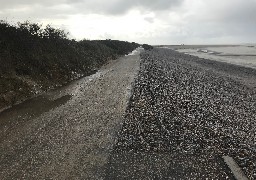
{"points": [[183, 104]]}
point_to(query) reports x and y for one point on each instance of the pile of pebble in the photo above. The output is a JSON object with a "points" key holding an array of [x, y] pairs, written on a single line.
{"points": [[179, 105]]}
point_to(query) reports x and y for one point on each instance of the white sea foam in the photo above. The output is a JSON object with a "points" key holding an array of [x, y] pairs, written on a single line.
{"points": [[244, 55], [136, 51]]}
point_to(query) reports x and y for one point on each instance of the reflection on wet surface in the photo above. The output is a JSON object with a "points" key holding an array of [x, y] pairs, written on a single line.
{"points": [[20, 114], [67, 133]]}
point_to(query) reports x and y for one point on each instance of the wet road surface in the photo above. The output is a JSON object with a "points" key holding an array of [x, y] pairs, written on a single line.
{"points": [[79, 131], [67, 133]]}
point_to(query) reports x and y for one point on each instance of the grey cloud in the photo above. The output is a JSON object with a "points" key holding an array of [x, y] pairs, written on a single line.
{"points": [[231, 11], [229, 19], [48, 9], [216, 19], [149, 19], [36, 13], [12, 4], [96, 6], [151, 5], [117, 7], [243, 13]]}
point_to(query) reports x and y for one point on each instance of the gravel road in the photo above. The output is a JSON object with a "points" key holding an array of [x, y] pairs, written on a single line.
{"points": [[185, 113], [67, 133]]}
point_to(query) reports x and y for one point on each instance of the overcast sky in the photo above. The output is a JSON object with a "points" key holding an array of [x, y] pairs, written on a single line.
{"points": [[143, 21]]}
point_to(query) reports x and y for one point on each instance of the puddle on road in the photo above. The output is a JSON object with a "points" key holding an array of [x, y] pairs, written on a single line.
{"points": [[75, 87], [19, 114]]}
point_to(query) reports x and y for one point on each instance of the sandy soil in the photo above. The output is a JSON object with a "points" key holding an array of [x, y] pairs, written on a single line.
{"points": [[68, 133]]}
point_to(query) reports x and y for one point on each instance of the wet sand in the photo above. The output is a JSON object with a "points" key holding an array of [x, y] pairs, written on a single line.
{"points": [[67, 133]]}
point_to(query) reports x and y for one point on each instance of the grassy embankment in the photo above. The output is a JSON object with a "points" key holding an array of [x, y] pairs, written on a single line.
{"points": [[35, 59]]}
